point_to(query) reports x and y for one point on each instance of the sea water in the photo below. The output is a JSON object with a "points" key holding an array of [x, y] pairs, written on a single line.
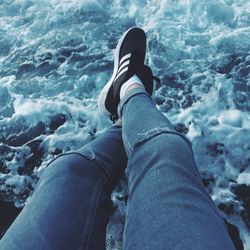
{"points": [[55, 57]]}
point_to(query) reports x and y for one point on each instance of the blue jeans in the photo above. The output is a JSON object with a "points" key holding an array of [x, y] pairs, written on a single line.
{"points": [[168, 207]]}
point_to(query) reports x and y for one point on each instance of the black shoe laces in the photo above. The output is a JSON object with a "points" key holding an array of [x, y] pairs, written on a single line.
{"points": [[157, 79], [114, 118]]}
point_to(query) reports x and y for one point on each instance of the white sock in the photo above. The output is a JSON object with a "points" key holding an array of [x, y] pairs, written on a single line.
{"points": [[134, 79]]}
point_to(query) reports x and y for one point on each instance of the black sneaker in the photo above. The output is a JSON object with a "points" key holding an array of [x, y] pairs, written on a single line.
{"points": [[128, 61]]}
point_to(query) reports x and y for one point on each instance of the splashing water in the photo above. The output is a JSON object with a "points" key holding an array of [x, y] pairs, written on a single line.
{"points": [[55, 56]]}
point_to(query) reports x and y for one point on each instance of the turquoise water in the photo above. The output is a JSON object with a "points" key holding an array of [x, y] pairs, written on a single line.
{"points": [[55, 56]]}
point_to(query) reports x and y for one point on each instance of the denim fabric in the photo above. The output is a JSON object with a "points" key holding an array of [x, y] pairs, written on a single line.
{"points": [[168, 207], [71, 204]]}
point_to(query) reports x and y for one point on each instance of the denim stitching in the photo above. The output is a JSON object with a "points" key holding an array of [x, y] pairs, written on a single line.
{"points": [[99, 188], [102, 183], [128, 146]]}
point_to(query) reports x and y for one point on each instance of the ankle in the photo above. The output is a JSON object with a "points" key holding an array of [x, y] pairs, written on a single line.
{"points": [[133, 86], [133, 82]]}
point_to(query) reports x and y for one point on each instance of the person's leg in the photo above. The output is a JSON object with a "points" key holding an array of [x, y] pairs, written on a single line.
{"points": [[168, 207], [71, 205]]}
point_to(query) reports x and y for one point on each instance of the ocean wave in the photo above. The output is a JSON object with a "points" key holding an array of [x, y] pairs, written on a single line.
{"points": [[55, 56]]}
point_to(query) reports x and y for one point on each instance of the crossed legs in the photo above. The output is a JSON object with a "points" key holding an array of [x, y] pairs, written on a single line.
{"points": [[168, 207]]}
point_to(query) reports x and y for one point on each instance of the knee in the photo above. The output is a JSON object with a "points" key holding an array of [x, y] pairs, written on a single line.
{"points": [[176, 142], [171, 146], [164, 138], [68, 166]]}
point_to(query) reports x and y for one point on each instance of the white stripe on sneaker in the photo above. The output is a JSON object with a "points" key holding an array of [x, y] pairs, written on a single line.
{"points": [[121, 72], [123, 66], [124, 58]]}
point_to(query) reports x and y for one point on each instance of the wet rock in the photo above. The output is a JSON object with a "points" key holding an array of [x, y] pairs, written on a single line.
{"points": [[215, 149], [42, 57], [57, 121], [166, 106], [243, 195], [75, 57], [234, 235], [14, 193], [35, 160], [208, 182], [68, 50], [159, 99], [57, 151], [6, 154], [188, 101], [61, 59], [242, 191], [181, 128], [244, 72], [46, 67], [8, 214], [232, 61], [3, 168], [31, 133], [24, 69], [241, 100], [172, 81], [6, 151], [227, 208]]}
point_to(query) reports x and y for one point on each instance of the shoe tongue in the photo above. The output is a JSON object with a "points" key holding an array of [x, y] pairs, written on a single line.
{"points": [[137, 60]]}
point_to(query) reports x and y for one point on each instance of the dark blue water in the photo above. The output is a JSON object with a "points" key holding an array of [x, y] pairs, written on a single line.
{"points": [[55, 56]]}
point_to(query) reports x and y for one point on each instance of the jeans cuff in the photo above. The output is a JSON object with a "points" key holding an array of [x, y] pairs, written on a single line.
{"points": [[125, 99]]}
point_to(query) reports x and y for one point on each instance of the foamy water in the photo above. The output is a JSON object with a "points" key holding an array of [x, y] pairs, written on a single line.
{"points": [[55, 56]]}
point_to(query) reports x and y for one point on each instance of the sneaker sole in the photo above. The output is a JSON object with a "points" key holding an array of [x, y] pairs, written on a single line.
{"points": [[102, 96]]}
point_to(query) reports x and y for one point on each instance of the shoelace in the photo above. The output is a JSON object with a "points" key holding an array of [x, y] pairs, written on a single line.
{"points": [[157, 79], [114, 118]]}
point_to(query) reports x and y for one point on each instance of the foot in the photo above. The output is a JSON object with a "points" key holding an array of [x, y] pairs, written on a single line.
{"points": [[129, 68]]}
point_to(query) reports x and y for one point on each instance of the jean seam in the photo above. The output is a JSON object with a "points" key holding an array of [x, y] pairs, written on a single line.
{"points": [[126, 143], [94, 212]]}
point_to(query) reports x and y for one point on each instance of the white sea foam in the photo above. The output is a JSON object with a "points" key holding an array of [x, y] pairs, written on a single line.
{"points": [[55, 56]]}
